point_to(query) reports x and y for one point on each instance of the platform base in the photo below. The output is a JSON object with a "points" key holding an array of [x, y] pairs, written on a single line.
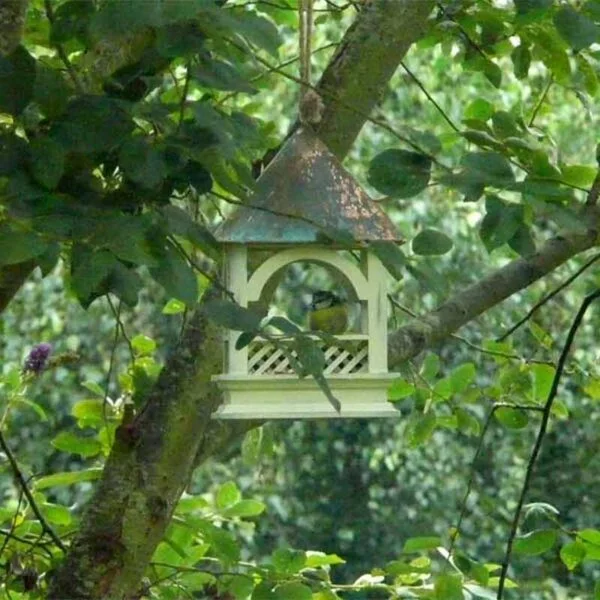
{"points": [[362, 395]]}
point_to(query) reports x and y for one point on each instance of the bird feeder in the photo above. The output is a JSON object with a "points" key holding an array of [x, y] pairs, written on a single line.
{"points": [[300, 199]]}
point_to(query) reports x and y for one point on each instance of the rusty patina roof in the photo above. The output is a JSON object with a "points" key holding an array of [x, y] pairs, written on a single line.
{"points": [[308, 183]]}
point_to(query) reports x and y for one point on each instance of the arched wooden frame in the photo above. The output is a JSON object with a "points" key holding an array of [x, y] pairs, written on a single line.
{"points": [[367, 281], [263, 281]]}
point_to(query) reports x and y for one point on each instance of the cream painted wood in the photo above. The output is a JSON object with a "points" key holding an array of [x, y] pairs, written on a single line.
{"points": [[259, 382], [236, 278], [288, 397], [377, 309], [327, 256]]}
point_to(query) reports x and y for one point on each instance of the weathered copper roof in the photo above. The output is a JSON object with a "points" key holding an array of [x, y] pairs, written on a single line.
{"points": [[306, 181]]}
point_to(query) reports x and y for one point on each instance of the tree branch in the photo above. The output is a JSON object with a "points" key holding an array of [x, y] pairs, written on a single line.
{"points": [[540, 437], [12, 19], [428, 330]]}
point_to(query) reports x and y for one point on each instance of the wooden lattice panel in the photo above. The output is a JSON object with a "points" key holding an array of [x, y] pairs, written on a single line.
{"points": [[266, 359]]}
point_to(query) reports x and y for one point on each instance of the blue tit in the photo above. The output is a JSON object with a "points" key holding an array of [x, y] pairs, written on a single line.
{"points": [[328, 313]]}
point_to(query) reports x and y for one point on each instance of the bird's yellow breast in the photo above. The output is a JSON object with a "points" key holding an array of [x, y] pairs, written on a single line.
{"points": [[332, 320]]}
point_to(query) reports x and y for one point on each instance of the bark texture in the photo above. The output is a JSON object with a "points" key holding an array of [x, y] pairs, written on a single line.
{"points": [[357, 76], [12, 20], [410, 340]]}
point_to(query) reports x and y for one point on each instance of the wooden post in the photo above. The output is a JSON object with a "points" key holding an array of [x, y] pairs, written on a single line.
{"points": [[237, 282]]}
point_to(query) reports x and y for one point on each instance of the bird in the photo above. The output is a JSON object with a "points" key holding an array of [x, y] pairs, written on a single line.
{"points": [[328, 313]]}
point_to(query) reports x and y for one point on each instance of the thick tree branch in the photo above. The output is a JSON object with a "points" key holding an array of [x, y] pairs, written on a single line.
{"points": [[365, 61], [465, 306], [12, 19]]}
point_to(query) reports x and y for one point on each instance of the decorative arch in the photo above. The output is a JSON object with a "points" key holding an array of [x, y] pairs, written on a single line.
{"points": [[278, 261]]}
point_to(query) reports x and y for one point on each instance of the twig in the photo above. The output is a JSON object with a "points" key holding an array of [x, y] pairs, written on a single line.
{"points": [[594, 192], [61, 51], [541, 100], [540, 437], [111, 362], [347, 106], [285, 63], [430, 97], [549, 297], [25, 488], [471, 481], [121, 326], [212, 278], [184, 93], [471, 344]]}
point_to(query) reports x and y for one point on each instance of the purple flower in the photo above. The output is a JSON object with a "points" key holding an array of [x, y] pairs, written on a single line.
{"points": [[37, 359]]}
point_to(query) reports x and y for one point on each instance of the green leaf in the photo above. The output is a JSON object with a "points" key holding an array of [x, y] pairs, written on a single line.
{"points": [[320, 559], [173, 307], [572, 554], [230, 315], [89, 271], [400, 389], [258, 442], [575, 28], [597, 590], [521, 58], [176, 276], [543, 376], [467, 423], [69, 442], [55, 513], [479, 109], [430, 367], [462, 377], [287, 560], [68, 478], [525, 6], [535, 542], [142, 163], [448, 587], [419, 544], [588, 73], [228, 495], [489, 168], [143, 345], [19, 246], [512, 418], [284, 325], [89, 413], [17, 78], [501, 222], [310, 355], [220, 75], [71, 20], [390, 255], [505, 125], [93, 387], [431, 242], [13, 152], [522, 241], [47, 161], [293, 591], [257, 30], [422, 429], [245, 508], [581, 175], [92, 124], [181, 223], [399, 173]]}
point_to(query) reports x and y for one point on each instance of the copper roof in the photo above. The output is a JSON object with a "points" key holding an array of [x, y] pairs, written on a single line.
{"points": [[305, 196]]}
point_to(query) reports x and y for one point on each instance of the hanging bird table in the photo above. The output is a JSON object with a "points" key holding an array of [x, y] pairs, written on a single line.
{"points": [[301, 197]]}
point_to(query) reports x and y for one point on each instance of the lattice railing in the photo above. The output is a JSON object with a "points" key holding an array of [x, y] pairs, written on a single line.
{"points": [[350, 357]]}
